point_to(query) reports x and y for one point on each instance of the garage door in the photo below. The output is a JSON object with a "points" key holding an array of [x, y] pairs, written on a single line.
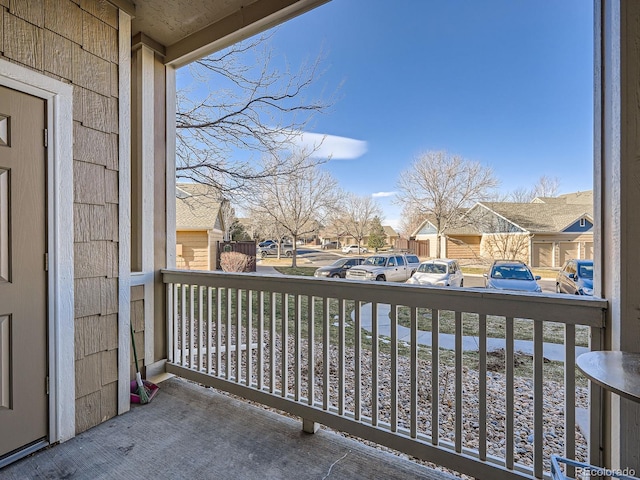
{"points": [[568, 250], [542, 255]]}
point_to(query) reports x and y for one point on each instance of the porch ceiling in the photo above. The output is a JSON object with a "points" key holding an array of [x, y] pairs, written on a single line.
{"points": [[193, 28]]}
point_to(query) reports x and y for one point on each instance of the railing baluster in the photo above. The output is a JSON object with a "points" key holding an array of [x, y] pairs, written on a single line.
{"points": [[297, 368], [537, 398], [249, 337], [199, 343], [570, 395], [596, 399], [458, 366], [209, 330], [435, 375], [509, 370], [260, 363], [192, 321], [482, 387], [183, 323], [394, 367], [325, 354], [357, 367], [414, 373], [172, 322], [311, 350], [272, 344], [227, 357], [374, 363], [219, 332], [341, 354], [284, 379], [239, 317]]}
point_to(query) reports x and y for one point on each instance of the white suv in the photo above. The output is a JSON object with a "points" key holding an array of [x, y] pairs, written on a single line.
{"points": [[353, 248], [440, 272]]}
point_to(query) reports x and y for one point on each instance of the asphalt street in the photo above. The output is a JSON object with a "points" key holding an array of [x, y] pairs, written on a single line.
{"points": [[318, 258]]}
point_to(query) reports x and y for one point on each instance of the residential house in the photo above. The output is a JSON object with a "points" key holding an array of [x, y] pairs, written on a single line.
{"points": [[543, 233], [328, 235], [199, 226], [88, 88]]}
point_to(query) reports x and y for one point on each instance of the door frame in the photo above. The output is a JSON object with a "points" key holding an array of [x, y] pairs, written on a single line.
{"points": [[60, 277]]}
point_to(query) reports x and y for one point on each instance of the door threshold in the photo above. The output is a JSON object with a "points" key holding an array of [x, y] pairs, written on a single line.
{"points": [[23, 452]]}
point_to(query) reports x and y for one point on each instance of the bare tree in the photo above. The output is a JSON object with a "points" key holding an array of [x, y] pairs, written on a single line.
{"points": [[356, 214], [228, 214], [297, 202], [441, 185], [411, 220], [544, 187], [241, 108], [507, 246]]}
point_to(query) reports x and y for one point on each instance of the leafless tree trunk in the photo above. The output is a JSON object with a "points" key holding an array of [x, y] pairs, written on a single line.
{"points": [[442, 186]]}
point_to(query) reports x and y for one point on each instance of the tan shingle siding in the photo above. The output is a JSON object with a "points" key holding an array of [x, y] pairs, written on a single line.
{"points": [[58, 55], [99, 38], [31, 11], [23, 41], [64, 18]]}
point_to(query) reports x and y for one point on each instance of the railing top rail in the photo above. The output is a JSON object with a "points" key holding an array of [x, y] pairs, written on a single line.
{"points": [[576, 310]]}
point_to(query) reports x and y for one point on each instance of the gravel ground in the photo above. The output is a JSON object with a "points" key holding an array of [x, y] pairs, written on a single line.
{"points": [[496, 405]]}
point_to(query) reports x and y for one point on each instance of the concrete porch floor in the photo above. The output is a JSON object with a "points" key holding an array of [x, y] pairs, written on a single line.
{"points": [[192, 432]]}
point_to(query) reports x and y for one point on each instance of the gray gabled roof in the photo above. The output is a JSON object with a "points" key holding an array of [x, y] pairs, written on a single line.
{"points": [[197, 207], [574, 198], [540, 217]]}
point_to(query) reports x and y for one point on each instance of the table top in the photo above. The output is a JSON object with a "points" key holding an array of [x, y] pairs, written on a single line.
{"points": [[616, 371]]}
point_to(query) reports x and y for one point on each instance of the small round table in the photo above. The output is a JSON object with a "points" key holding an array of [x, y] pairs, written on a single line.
{"points": [[616, 371]]}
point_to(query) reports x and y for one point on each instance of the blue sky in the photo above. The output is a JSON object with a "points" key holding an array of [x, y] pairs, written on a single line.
{"points": [[508, 83]]}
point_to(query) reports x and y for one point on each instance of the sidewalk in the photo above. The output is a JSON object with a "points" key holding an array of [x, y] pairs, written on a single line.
{"points": [[551, 351]]}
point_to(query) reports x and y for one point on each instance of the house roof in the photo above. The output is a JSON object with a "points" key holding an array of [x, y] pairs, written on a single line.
{"points": [[574, 198], [540, 217], [389, 231], [197, 206]]}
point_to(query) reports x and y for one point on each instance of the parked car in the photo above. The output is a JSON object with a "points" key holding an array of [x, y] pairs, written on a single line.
{"points": [[338, 269], [440, 272], [266, 243], [576, 278], [330, 245], [511, 275], [272, 250], [391, 267], [354, 248]]}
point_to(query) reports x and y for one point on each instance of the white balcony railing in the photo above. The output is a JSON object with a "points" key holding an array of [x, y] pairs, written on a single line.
{"points": [[364, 358]]}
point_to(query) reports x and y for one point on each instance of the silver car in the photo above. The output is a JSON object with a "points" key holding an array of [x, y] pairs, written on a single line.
{"points": [[440, 272], [511, 275]]}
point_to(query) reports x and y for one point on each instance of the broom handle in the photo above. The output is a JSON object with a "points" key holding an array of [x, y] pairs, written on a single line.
{"points": [[135, 354]]}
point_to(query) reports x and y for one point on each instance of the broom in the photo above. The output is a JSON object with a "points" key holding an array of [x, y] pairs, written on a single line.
{"points": [[142, 390]]}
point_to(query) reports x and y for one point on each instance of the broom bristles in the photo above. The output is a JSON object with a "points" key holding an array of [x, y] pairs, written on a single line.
{"points": [[142, 390]]}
